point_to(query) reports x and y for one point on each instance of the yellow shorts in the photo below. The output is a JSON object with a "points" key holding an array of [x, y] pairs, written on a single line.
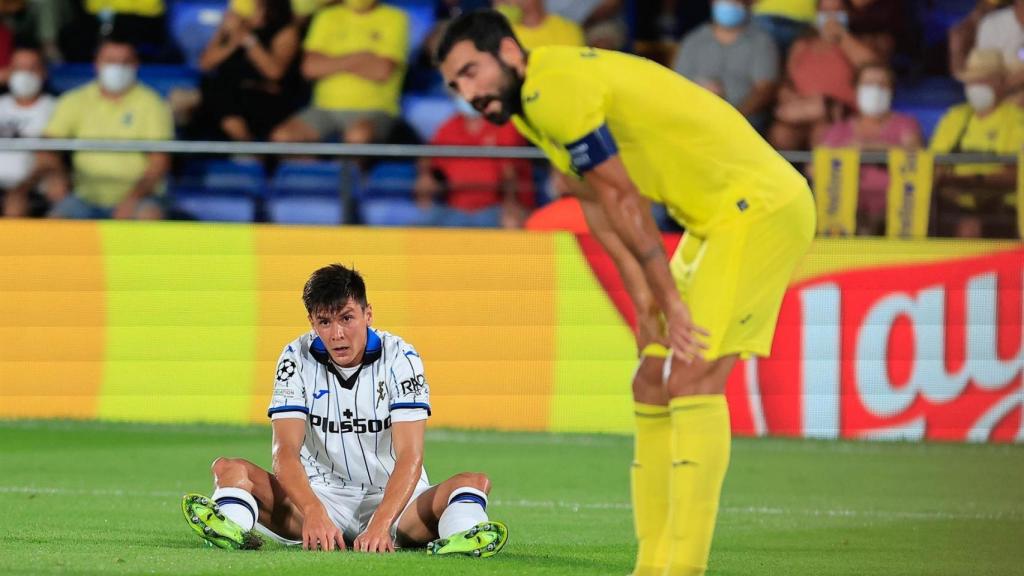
{"points": [[733, 280]]}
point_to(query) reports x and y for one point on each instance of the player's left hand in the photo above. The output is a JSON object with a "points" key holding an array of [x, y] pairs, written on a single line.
{"points": [[374, 539]]}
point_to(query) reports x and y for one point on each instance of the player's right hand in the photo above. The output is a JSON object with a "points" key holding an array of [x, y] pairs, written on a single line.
{"points": [[685, 337], [319, 533]]}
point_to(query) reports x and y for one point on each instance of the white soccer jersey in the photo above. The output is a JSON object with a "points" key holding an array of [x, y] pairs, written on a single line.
{"points": [[348, 420]]}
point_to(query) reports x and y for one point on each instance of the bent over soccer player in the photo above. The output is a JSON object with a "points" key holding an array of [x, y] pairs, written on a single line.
{"points": [[636, 132], [349, 412]]}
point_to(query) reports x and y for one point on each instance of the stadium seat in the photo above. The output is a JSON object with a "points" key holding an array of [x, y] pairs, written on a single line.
{"points": [[392, 212], [235, 176], [306, 193], [215, 206], [427, 112], [160, 77], [421, 21], [390, 180], [192, 23]]}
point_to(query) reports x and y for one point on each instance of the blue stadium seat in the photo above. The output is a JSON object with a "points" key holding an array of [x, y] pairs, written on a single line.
{"points": [[235, 176], [427, 112], [421, 21], [160, 77], [390, 180], [214, 206], [192, 23], [306, 193], [392, 212]]}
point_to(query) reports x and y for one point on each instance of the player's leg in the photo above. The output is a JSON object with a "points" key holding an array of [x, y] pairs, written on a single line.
{"points": [[649, 473], [700, 451], [451, 518], [244, 495]]}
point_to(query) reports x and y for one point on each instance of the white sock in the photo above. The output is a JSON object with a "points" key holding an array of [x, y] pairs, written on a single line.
{"points": [[467, 507], [238, 505]]}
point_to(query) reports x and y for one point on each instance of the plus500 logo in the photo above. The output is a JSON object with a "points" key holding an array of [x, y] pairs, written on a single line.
{"points": [[355, 425]]}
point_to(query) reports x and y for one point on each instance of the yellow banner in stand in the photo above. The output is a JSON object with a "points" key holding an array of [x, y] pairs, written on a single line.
{"points": [[910, 193], [836, 180], [1020, 193]]}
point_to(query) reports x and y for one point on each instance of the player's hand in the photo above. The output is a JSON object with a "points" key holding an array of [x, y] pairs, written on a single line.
{"points": [[374, 539], [319, 533], [685, 337], [650, 329]]}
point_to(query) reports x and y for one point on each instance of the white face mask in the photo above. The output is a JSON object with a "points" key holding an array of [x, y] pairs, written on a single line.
{"points": [[841, 16], [873, 100], [24, 84], [981, 97], [116, 78]]}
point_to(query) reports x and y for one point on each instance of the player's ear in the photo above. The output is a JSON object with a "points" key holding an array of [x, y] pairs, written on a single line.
{"points": [[510, 52], [369, 314]]}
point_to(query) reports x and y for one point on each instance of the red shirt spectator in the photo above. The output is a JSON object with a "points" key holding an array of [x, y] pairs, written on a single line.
{"points": [[474, 183]]}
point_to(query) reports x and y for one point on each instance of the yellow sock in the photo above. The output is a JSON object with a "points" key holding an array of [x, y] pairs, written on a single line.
{"points": [[649, 474], [700, 456]]}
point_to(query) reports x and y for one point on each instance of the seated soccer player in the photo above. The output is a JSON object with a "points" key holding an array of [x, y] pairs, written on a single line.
{"points": [[349, 413]]}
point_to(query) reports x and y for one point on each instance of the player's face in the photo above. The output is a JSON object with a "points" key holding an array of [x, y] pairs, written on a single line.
{"points": [[486, 81], [343, 331]]}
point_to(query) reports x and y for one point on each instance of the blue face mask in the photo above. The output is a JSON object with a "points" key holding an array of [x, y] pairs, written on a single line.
{"points": [[728, 14]]}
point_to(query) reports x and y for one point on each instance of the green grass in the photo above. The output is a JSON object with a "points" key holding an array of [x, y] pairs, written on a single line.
{"points": [[96, 498]]}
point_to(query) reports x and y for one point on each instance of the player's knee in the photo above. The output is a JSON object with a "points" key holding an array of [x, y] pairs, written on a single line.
{"points": [[227, 467], [649, 383], [477, 480]]}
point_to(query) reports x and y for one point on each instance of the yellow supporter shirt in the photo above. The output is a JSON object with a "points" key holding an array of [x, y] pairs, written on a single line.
{"points": [[553, 31], [683, 146], [799, 10], [1000, 132], [105, 178], [245, 8], [148, 8], [339, 31]]}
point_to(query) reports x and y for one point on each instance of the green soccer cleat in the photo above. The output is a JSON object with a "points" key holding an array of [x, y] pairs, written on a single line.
{"points": [[211, 525], [481, 541]]}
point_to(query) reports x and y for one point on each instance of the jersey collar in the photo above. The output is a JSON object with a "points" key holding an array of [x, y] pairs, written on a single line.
{"points": [[373, 351]]}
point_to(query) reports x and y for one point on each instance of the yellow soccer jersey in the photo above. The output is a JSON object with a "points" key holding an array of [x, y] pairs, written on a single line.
{"points": [[553, 31], [105, 178], [339, 31], [138, 7], [799, 10], [999, 132], [683, 146]]}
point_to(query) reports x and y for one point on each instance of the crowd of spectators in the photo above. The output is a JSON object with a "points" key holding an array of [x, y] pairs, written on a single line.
{"points": [[805, 73]]}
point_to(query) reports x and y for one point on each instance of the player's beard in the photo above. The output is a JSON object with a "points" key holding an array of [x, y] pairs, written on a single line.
{"points": [[509, 95]]}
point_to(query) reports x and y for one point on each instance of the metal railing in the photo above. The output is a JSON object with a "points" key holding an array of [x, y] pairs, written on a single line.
{"points": [[384, 150]]}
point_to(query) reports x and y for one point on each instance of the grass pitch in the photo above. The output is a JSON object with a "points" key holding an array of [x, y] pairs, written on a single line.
{"points": [[97, 498]]}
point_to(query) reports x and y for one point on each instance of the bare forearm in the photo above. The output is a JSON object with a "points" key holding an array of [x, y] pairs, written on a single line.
{"points": [[364, 64], [265, 62], [398, 490], [759, 99], [155, 172], [640, 234], [292, 476], [217, 52], [858, 52]]}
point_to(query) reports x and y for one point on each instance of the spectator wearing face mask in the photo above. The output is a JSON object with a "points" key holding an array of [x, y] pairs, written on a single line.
{"points": [[874, 127], [819, 84], [977, 200], [115, 107], [735, 60], [24, 112], [536, 27], [475, 192]]}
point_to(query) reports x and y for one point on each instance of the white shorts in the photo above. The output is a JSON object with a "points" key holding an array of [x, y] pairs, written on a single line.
{"points": [[350, 509]]}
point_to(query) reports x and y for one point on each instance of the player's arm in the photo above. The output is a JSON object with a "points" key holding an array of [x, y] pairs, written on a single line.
{"points": [[648, 314], [407, 440], [628, 215], [317, 527]]}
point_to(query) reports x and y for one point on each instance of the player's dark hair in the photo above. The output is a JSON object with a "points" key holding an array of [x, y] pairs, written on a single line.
{"points": [[484, 28], [330, 288]]}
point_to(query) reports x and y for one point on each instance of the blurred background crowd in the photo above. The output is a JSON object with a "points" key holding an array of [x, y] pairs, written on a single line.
{"points": [[944, 75]]}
